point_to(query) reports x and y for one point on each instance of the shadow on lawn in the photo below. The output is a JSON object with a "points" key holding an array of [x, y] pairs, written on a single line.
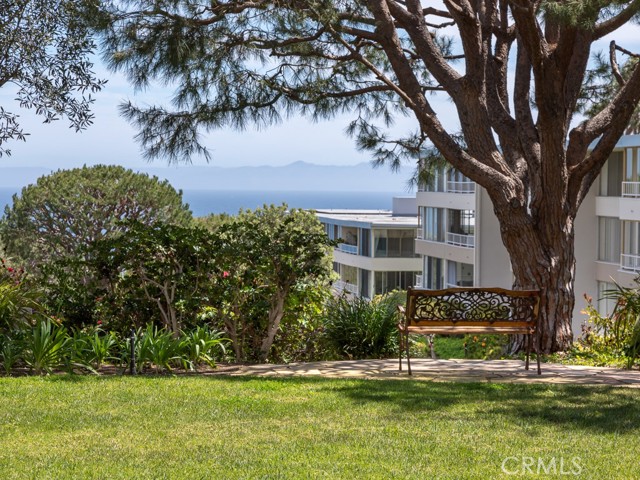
{"points": [[603, 409]]}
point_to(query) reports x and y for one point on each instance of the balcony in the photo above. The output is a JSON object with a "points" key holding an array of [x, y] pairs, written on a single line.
{"points": [[346, 248], [630, 263], [631, 189], [459, 240], [466, 186]]}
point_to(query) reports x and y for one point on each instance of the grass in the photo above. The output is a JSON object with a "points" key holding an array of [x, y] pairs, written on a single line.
{"points": [[241, 427]]}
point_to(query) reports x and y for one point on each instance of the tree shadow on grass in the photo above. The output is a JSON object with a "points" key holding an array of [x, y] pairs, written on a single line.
{"points": [[599, 408], [591, 408]]}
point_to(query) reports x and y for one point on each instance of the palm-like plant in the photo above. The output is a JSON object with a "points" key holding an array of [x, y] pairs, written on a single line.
{"points": [[45, 347], [625, 332], [11, 347], [201, 345], [18, 304]]}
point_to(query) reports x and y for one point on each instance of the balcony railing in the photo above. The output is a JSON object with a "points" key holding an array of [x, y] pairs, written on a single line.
{"points": [[342, 286], [631, 189], [418, 281], [345, 247], [461, 187], [630, 262], [418, 233], [461, 283], [467, 241]]}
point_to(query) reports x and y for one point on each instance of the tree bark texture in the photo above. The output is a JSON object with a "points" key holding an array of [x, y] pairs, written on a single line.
{"points": [[536, 168]]}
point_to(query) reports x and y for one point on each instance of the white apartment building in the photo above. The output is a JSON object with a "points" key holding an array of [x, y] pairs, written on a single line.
{"points": [[459, 236], [376, 253]]}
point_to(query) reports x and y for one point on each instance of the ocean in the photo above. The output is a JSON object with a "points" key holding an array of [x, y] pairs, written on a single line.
{"points": [[204, 202]]}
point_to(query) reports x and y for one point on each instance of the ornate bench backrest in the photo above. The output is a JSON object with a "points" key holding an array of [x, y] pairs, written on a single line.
{"points": [[466, 306]]}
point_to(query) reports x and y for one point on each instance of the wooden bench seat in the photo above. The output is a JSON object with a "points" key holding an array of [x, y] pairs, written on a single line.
{"points": [[470, 310]]}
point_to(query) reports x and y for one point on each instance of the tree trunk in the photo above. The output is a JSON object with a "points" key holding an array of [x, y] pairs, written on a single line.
{"points": [[232, 332], [276, 312], [546, 262]]}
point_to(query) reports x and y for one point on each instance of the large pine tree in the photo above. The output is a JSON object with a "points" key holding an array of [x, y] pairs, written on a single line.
{"points": [[514, 70]]}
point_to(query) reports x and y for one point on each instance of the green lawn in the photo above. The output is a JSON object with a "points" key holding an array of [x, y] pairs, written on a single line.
{"points": [[218, 427]]}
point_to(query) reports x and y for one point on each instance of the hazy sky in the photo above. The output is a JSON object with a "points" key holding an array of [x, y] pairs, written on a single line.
{"points": [[110, 138]]}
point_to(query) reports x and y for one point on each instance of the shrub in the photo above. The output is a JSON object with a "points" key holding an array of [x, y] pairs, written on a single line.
{"points": [[486, 347], [610, 339], [360, 328], [19, 300]]}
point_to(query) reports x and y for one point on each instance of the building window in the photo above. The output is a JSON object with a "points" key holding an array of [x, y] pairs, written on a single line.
{"points": [[349, 274], [365, 242], [388, 281], [609, 239], [630, 258], [364, 282], [611, 176], [436, 181], [631, 242], [458, 183], [433, 273], [394, 243], [605, 305], [433, 222], [459, 274]]}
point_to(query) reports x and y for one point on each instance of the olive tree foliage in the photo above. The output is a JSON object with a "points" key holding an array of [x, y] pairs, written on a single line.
{"points": [[516, 73], [70, 209], [46, 49]]}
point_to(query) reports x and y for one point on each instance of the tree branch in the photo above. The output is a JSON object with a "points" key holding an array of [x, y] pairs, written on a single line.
{"points": [[612, 24]]}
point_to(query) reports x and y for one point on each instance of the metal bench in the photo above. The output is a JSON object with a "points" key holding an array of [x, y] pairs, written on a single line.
{"points": [[469, 310]]}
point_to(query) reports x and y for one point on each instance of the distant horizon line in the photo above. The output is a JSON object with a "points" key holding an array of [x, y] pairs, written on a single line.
{"points": [[187, 165]]}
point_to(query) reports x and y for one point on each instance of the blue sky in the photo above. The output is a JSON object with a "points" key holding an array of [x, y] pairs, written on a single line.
{"points": [[110, 138]]}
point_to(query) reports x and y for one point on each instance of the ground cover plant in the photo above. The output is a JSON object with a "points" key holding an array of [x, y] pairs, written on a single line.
{"points": [[243, 427]]}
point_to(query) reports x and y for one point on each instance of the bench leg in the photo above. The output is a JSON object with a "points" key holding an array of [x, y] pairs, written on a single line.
{"points": [[400, 348], [406, 344], [538, 348]]}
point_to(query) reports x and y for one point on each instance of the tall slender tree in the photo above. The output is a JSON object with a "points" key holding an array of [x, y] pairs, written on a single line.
{"points": [[515, 72]]}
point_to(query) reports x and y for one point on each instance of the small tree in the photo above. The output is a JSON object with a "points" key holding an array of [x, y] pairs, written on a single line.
{"points": [[266, 256], [167, 265]]}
